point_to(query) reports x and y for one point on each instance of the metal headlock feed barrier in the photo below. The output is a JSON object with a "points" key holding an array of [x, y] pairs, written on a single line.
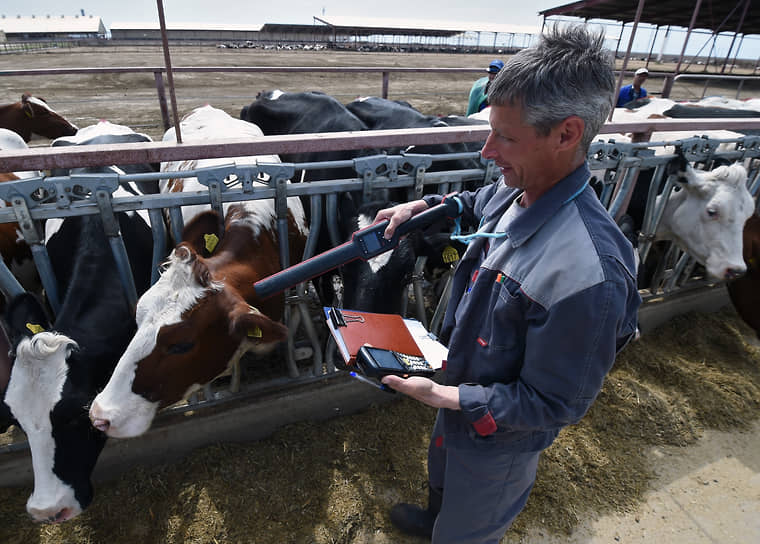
{"points": [[33, 200]]}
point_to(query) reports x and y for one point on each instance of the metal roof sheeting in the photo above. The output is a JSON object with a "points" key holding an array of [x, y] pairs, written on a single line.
{"points": [[669, 12], [52, 24]]}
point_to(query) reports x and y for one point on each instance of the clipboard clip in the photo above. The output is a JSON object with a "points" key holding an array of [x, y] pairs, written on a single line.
{"points": [[339, 319]]}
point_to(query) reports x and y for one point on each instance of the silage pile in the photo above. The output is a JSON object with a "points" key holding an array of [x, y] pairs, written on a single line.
{"points": [[334, 482]]}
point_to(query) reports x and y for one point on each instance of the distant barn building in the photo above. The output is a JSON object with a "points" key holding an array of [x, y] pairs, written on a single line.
{"points": [[186, 31], [342, 32], [52, 27]]}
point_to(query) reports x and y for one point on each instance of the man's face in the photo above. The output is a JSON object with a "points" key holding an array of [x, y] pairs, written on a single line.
{"points": [[519, 152], [492, 75], [640, 79]]}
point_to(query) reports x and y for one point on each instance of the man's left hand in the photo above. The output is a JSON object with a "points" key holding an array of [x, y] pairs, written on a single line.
{"points": [[426, 391]]}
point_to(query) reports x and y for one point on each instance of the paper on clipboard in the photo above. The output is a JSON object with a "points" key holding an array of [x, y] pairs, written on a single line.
{"points": [[435, 352]]}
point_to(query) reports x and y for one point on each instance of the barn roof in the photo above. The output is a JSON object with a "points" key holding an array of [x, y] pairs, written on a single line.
{"points": [[154, 25], [64, 24], [419, 27], [712, 13]]}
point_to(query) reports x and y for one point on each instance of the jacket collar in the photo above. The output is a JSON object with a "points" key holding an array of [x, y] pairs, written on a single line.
{"points": [[528, 223]]}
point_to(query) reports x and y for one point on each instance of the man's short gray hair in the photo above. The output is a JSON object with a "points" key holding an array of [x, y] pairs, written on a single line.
{"points": [[567, 73]]}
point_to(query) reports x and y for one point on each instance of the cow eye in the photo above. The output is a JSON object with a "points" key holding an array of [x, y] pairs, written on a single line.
{"points": [[177, 349]]}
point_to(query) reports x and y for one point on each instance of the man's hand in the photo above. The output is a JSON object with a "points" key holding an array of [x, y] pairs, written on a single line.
{"points": [[399, 214], [426, 391]]}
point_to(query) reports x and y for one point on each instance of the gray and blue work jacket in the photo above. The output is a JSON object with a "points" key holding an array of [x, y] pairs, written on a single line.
{"points": [[534, 326]]}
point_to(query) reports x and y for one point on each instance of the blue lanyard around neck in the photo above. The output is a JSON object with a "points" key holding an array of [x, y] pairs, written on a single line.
{"points": [[467, 238]]}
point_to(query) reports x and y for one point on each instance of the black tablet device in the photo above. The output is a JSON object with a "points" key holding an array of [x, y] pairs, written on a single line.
{"points": [[376, 363]]}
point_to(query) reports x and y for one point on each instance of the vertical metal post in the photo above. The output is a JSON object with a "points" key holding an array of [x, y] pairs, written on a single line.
{"points": [[385, 85], [654, 40], [620, 37], [668, 86], [736, 56], [169, 74], [639, 9], [733, 39], [694, 15], [162, 99]]}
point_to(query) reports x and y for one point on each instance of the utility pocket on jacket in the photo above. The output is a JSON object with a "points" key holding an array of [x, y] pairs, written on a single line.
{"points": [[504, 321]]}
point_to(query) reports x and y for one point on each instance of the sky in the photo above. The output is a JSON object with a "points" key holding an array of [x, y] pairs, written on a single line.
{"points": [[516, 12], [288, 11]]}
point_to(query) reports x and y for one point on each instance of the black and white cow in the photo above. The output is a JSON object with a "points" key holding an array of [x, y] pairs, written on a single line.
{"points": [[375, 285], [383, 114], [277, 112], [59, 367]]}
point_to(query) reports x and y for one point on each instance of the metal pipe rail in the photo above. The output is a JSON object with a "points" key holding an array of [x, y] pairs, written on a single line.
{"points": [[716, 77], [153, 152]]}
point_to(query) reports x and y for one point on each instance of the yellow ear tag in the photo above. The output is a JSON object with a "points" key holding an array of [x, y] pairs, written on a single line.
{"points": [[450, 255], [211, 241], [255, 333], [34, 328]]}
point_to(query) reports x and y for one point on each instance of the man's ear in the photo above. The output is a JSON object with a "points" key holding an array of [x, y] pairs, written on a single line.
{"points": [[571, 132]]}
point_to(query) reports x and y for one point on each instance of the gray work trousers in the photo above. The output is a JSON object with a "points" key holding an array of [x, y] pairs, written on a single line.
{"points": [[483, 491]]}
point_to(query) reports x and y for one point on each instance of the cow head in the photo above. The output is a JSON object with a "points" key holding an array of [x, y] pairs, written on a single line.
{"points": [[190, 324], [42, 120], [43, 402], [706, 217]]}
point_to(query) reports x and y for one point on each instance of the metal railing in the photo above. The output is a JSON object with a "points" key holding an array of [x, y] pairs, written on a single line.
{"points": [[670, 80]]}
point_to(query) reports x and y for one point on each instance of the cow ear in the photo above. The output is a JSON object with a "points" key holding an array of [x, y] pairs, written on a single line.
{"points": [[27, 108], [25, 316], [25, 98], [203, 233], [248, 322]]}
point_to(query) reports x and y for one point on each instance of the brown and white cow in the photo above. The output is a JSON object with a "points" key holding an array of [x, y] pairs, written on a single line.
{"points": [[202, 314], [32, 116]]}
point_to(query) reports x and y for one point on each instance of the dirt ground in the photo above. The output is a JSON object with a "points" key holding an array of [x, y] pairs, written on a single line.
{"points": [[669, 452], [672, 438]]}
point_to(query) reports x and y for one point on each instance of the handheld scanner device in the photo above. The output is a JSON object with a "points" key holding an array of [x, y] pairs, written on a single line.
{"points": [[364, 244]]}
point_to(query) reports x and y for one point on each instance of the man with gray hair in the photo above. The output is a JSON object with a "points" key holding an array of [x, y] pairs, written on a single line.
{"points": [[542, 300]]}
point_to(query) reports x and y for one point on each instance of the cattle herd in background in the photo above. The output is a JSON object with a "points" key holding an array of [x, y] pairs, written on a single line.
{"points": [[104, 368]]}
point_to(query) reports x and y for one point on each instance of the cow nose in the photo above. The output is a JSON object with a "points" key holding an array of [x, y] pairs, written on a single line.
{"points": [[54, 514], [733, 273], [96, 418]]}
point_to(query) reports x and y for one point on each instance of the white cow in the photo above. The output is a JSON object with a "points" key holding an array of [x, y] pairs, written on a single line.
{"points": [[706, 218]]}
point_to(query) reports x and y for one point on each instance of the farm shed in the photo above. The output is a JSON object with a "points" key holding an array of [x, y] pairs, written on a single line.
{"points": [[185, 31], [427, 32], [342, 31], [53, 27]]}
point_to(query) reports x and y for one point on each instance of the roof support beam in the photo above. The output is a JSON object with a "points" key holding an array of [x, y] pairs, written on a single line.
{"points": [[669, 82], [733, 39], [169, 74], [649, 56], [639, 9]]}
